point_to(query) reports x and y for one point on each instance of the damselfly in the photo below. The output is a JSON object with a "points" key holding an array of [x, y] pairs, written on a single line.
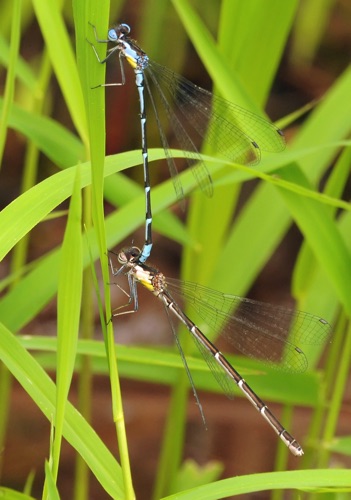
{"points": [[256, 329], [234, 131]]}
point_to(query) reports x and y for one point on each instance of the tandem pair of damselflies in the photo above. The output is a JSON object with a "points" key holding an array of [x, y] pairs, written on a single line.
{"points": [[234, 131], [257, 329]]}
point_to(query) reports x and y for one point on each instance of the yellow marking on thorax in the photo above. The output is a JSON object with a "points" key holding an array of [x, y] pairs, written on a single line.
{"points": [[147, 284], [131, 61], [143, 276]]}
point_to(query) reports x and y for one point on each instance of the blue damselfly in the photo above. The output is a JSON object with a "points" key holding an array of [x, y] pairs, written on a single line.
{"points": [[234, 131]]}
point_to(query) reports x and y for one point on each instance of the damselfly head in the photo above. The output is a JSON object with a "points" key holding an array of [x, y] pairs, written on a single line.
{"points": [[129, 255], [114, 34]]}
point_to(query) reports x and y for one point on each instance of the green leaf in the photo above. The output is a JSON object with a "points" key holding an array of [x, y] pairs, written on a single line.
{"points": [[9, 494], [163, 365], [58, 143], [63, 61], [255, 62], [306, 480], [341, 445], [52, 491], [68, 312], [191, 475], [76, 431]]}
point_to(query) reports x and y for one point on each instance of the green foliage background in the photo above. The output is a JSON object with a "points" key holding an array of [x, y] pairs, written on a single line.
{"points": [[251, 39]]}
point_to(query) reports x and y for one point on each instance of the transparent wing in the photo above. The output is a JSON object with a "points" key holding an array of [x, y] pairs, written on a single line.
{"points": [[202, 343], [235, 131], [170, 160], [258, 330], [224, 380], [186, 143], [185, 364]]}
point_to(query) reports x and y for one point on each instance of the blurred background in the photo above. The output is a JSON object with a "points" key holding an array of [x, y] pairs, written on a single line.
{"points": [[236, 440]]}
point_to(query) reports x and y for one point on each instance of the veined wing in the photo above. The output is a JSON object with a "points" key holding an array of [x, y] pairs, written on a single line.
{"points": [[258, 330]]}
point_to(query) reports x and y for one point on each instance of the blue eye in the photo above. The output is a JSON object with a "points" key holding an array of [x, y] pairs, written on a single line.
{"points": [[112, 35]]}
